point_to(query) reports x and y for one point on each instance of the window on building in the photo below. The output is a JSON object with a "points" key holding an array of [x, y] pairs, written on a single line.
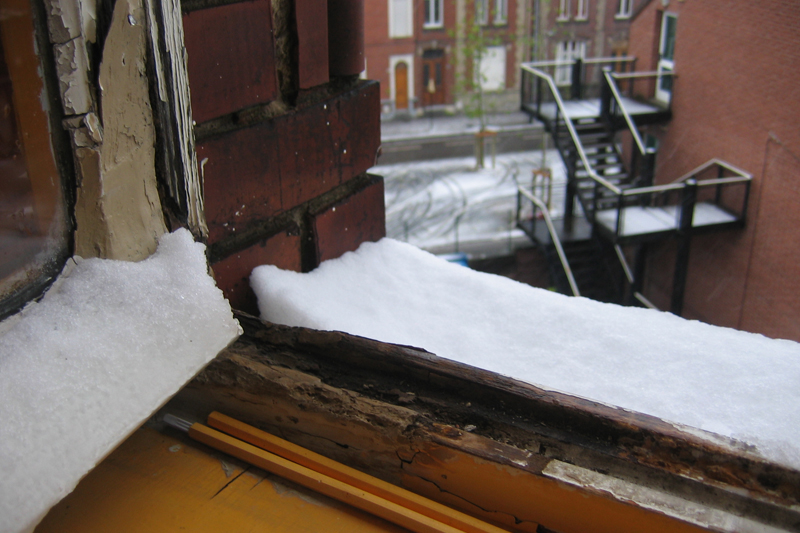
{"points": [[582, 12], [563, 10], [500, 12], [434, 13], [481, 12], [400, 18], [568, 51], [625, 8], [492, 72]]}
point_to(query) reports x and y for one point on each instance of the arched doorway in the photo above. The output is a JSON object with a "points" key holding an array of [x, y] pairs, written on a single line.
{"points": [[401, 85]]}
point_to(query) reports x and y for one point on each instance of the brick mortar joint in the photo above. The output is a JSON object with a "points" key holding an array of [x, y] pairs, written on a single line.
{"points": [[297, 219], [262, 113]]}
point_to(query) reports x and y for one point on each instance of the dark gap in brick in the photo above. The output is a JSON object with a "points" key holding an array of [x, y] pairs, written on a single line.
{"points": [[309, 255], [250, 116], [241, 119], [293, 218], [196, 5], [286, 49]]}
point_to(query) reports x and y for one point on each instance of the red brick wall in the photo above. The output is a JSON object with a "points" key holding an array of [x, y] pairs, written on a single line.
{"points": [[735, 99], [380, 47], [602, 31], [285, 135]]}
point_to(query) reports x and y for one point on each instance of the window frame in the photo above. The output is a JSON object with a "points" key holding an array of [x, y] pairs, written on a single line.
{"points": [[567, 51], [625, 9], [431, 7], [563, 10], [482, 12], [582, 10], [500, 12], [409, 8]]}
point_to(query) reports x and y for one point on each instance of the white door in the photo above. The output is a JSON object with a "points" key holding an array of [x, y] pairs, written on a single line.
{"points": [[666, 61]]}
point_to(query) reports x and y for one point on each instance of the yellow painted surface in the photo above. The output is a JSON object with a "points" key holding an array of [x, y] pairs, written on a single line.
{"points": [[156, 483], [319, 482], [520, 499], [350, 476]]}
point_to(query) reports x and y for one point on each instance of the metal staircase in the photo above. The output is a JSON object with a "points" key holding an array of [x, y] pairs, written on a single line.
{"points": [[611, 201]]}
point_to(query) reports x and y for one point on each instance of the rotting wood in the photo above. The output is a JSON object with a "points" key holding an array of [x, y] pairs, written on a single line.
{"points": [[340, 395], [178, 158]]}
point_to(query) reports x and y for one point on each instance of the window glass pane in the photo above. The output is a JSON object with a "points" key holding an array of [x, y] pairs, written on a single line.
{"points": [[400, 18], [501, 11], [481, 11], [668, 51], [34, 237], [563, 11], [493, 69], [433, 12]]}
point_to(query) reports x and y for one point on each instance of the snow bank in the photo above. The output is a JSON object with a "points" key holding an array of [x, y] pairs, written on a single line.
{"points": [[84, 367], [733, 383]]}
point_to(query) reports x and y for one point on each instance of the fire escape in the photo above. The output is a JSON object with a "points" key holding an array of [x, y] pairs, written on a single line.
{"points": [[613, 210]]}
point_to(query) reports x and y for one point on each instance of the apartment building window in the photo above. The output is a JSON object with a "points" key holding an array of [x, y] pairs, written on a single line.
{"points": [[568, 51], [400, 18], [625, 8], [582, 12], [500, 12], [433, 13], [563, 10], [482, 12], [492, 72]]}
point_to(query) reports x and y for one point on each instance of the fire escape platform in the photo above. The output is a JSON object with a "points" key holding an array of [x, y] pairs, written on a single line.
{"points": [[641, 112], [639, 224], [577, 230]]}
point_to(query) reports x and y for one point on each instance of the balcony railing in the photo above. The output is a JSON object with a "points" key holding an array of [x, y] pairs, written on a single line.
{"points": [[714, 194]]}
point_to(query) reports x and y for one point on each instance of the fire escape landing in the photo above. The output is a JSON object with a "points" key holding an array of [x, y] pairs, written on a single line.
{"points": [[613, 210]]}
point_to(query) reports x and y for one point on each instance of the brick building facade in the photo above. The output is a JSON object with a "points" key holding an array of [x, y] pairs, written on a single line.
{"points": [[244, 121], [734, 98], [417, 51], [283, 143], [571, 29]]}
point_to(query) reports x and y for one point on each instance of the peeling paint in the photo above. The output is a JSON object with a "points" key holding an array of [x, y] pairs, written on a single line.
{"points": [[185, 183], [653, 499], [125, 182], [63, 20], [228, 468], [72, 67], [89, 20]]}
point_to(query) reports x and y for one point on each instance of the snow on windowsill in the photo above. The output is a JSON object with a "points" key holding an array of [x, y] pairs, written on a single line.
{"points": [[80, 370], [732, 383]]}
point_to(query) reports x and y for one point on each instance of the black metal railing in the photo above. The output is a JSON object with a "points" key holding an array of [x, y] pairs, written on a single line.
{"points": [[583, 79], [539, 209], [714, 182], [613, 111], [565, 135]]}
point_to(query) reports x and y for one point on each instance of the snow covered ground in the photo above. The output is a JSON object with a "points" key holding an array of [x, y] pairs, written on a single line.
{"points": [[80, 370], [729, 382], [447, 205]]}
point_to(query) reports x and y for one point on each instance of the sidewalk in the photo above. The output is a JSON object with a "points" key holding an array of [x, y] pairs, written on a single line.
{"points": [[438, 126], [440, 137]]}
